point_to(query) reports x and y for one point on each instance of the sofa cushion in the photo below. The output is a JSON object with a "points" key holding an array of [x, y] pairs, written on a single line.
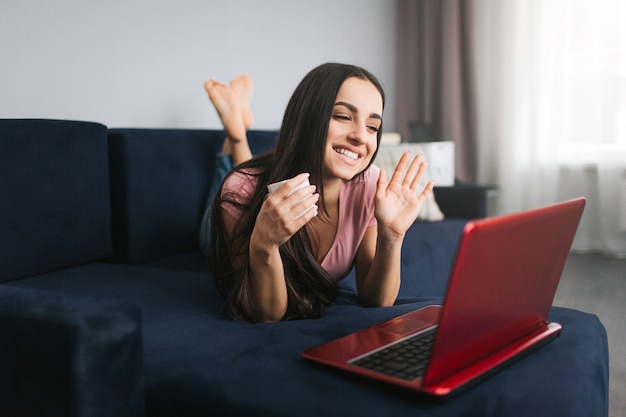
{"points": [[198, 363], [54, 195], [159, 180], [244, 369]]}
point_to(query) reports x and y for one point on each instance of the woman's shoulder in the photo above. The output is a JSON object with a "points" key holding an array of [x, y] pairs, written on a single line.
{"points": [[240, 184], [238, 189], [239, 177], [372, 172]]}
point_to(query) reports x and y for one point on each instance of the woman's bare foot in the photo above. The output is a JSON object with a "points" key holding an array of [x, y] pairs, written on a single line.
{"points": [[243, 87], [232, 103], [226, 102]]}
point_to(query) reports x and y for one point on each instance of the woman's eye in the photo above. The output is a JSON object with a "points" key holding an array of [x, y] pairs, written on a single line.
{"points": [[374, 128], [341, 117]]}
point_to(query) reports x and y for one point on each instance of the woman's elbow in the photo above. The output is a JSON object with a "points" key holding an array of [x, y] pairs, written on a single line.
{"points": [[268, 316], [269, 319], [377, 302]]}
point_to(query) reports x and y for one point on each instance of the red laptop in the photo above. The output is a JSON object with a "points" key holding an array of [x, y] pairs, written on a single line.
{"points": [[501, 288]]}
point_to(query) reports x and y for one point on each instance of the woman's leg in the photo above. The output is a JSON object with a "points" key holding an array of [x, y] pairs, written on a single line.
{"points": [[223, 165], [232, 103]]}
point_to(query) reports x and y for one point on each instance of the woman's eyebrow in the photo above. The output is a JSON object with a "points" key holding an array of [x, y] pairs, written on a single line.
{"points": [[355, 110]]}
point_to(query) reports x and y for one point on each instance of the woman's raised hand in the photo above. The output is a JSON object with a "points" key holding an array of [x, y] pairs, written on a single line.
{"points": [[398, 203]]}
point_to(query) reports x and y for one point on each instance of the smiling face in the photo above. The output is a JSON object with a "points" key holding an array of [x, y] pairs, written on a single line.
{"points": [[352, 132]]}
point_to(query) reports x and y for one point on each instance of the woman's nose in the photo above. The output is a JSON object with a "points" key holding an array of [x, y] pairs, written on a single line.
{"points": [[357, 133]]}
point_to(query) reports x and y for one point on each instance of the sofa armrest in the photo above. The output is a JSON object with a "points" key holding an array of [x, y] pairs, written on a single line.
{"points": [[65, 356], [465, 201]]}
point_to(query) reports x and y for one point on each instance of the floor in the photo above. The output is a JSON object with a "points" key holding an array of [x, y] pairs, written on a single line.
{"points": [[597, 284]]}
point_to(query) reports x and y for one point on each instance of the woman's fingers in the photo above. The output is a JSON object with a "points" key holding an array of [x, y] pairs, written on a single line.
{"points": [[415, 173], [400, 168], [292, 203]]}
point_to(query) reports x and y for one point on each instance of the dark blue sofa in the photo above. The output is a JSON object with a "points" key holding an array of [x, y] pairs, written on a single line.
{"points": [[107, 308]]}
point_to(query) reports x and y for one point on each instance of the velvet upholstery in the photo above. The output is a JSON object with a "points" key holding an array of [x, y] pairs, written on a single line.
{"points": [[159, 180], [143, 334], [54, 199], [198, 364], [69, 356]]}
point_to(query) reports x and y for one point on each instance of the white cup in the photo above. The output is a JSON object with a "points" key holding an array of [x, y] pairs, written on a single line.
{"points": [[274, 186]]}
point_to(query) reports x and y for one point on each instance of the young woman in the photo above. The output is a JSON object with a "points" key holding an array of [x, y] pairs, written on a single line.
{"points": [[279, 256]]}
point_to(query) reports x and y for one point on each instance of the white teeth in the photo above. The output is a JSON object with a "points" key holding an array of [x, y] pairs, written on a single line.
{"points": [[347, 153]]}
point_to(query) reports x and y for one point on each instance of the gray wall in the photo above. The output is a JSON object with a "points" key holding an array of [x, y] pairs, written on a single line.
{"points": [[134, 63]]}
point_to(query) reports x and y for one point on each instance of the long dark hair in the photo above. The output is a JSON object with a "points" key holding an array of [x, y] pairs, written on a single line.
{"points": [[300, 148]]}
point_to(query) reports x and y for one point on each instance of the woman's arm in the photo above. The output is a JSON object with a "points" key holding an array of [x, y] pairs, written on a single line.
{"points": [[269, 296], [378, 269], [379, 255], [281, 216]]}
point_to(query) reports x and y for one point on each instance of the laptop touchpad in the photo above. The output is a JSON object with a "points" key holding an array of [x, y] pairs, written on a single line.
{"points": [[405, 327]]}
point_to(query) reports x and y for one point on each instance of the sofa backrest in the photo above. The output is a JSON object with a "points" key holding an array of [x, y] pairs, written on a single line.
{"points": [[54, 196], [159, 184]]}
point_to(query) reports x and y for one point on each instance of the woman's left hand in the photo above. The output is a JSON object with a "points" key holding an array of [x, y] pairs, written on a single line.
{"points": [[398, 203]]}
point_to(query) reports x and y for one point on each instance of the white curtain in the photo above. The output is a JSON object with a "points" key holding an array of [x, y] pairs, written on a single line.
{"points": [[551, 109]]}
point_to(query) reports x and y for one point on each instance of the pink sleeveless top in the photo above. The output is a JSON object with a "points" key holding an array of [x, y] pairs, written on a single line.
{"points": [[356, 214]]}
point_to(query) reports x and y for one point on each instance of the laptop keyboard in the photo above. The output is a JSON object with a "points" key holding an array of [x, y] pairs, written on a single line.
{"points": [[406, 359]]}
